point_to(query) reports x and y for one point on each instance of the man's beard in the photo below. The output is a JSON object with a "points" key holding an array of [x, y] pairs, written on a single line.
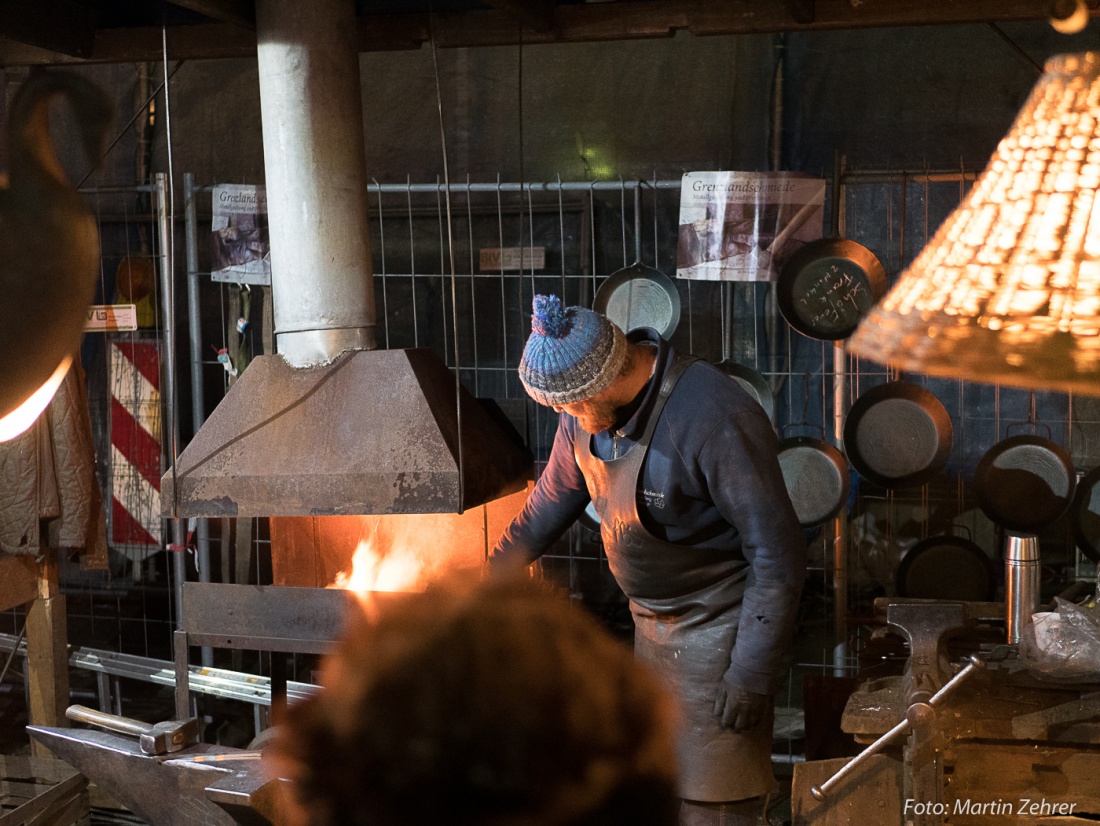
{"points": [[597, 417]]}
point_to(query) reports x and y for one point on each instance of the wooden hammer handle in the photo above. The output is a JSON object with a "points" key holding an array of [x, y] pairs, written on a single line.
{"points": [[111, 722]]}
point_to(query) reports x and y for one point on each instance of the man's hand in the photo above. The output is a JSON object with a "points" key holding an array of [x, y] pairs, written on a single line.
{"points": [[739, 709]]}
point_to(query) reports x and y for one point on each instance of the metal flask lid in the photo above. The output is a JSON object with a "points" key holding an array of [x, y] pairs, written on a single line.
{"points": [[1021, 548]]}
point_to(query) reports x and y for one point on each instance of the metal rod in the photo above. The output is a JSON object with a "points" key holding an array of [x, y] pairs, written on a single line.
{"points": [[638, 223], [822, 791], [840, 394], [11, 655], [526, 186], [179, 538], [881, 176], [126, 127], [454, 280], [869, 176], [1027, 59], [219, 758], [198, 403]]}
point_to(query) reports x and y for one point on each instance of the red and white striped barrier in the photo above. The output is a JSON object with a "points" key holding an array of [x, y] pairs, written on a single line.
{"points": [[135, 448]]}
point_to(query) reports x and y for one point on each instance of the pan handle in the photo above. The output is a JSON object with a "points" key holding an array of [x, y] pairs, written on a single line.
{"points": [[1034, 425], [794, 426], [969, 533], [793, 226]]}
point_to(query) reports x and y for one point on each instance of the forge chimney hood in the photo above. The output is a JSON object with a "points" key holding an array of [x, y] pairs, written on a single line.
{"points": [[375, 432], [330, 425]]}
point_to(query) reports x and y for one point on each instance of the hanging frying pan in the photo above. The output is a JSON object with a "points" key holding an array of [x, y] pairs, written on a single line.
{"points": [[753, 383], [1025, 482], [1084, 515], [826, 288], [946, 567], [638, 295], [898, 435], [817, 478]]}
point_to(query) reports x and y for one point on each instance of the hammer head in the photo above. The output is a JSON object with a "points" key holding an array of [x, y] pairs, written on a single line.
{"points": [[170, 736]]}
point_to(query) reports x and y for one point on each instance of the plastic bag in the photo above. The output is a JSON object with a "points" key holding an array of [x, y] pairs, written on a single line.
{"points": [[1063, 645]]}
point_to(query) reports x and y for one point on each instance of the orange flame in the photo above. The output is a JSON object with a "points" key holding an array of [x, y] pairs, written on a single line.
{"points": [[401, 552], [374, 568]]}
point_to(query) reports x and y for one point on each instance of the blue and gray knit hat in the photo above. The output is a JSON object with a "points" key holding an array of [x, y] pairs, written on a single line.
{"points": [[572, 353]]}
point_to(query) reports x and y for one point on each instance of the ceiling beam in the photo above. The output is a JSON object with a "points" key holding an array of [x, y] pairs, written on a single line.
{"points": [[59, 26], [534, 14], [198, 42], [663, 18], [570, 23], [235, 12], [801, 10]]}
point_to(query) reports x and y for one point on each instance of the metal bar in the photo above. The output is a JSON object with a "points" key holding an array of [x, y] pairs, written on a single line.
{"points": [[103, 691], [868, 176], [181, 677], [218, 611], [840, 392], [526, 186], [875, 176], [260, 642], [215, 682], [49, 806], [822, 791], [194, 330], [383, 275], [167, 277], [118, 190]]}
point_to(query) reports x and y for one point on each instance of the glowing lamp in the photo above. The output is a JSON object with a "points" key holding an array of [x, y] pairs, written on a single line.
{"points": [[49, 248], [1008, 289]]}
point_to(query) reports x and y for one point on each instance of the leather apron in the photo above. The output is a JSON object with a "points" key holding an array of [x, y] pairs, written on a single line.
{"points": [[686, 603]]}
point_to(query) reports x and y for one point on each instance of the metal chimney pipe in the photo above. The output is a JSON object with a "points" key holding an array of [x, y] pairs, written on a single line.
{"points": [[312, 115]]}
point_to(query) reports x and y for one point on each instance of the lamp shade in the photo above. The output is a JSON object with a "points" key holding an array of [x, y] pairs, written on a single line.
{"points": [[49, 247], [1008, 289]]}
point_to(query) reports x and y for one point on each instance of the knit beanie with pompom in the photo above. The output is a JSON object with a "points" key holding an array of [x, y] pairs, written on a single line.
{"points": [[572, 353]]}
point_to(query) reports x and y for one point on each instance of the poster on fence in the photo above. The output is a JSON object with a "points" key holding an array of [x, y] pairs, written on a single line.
{"points": [[742, 226], [241, 248]]}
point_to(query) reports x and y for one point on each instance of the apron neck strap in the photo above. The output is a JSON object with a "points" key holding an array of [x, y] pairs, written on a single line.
{"points": [[680, 363]]}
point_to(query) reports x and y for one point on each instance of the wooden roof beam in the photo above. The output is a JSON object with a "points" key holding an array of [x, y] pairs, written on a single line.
{"points": [[533, 14], [235, 12], [55, 25], [571, 23]]}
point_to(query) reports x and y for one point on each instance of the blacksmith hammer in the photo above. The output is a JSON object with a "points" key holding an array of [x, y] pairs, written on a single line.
{"points": [[153, 738]]}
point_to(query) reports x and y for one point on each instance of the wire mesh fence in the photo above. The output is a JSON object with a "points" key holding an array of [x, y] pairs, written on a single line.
{"points": [[454, 270]]}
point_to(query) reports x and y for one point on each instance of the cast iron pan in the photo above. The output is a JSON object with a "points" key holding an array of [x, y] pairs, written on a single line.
{"points": [[1084, 515], [639, 296], [1025, 482], [947, 567], [826, 288], [754, 384], [898, 435], [817, 478]]}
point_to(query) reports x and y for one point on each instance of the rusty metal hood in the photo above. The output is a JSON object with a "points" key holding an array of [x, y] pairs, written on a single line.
{"points": [[376, 431]]}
